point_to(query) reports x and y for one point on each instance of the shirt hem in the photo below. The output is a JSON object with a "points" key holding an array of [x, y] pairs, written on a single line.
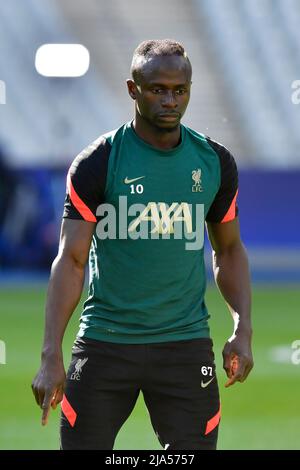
{"points": [[155, 338]]}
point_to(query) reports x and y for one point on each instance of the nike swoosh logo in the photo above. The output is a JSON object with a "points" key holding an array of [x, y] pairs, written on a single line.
{"points": [[205, 384], [127, 181]]}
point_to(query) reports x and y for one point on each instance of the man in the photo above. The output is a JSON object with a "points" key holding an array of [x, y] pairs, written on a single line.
{"points": [[137, 202]]}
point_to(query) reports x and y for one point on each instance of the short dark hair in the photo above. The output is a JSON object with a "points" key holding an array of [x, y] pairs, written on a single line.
{"points": [[154, 48]]}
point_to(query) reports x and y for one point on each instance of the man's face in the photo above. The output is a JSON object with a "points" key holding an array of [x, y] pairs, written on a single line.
{"points": [[163, 91]]}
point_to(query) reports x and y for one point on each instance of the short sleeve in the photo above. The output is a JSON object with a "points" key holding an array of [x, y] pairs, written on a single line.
{"points": [[224, 207], [86, 181]]}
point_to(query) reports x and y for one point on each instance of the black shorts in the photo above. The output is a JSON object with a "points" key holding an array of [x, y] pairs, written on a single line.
{"points": [[178, 382]]}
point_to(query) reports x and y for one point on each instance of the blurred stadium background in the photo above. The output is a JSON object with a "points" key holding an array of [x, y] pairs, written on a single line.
{"points": [[246, 60]]}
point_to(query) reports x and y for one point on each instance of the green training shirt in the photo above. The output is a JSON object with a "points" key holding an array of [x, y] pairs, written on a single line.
{"points": [[149, 206]]}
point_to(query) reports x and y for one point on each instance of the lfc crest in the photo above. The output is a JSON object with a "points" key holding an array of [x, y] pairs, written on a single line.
{"points": [[196, 177]]}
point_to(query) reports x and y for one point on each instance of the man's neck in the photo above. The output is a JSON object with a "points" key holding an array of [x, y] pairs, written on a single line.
{"points": [[159, 138]]}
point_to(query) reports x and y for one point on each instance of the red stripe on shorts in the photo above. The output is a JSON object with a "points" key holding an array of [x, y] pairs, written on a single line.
{"points": [[68, 411], [213, 422]]}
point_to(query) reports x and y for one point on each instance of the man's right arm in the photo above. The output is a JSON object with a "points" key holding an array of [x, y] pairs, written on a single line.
{"points": [[64, 292]]}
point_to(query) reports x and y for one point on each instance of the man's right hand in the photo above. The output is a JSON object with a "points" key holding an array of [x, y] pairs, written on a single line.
{"points": [[48, 385]]}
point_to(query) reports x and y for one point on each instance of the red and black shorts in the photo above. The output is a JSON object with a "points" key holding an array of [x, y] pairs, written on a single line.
{"points": [[178, 382]]}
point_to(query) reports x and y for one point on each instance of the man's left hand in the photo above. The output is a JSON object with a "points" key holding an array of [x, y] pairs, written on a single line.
{"points": [[237, 358]]}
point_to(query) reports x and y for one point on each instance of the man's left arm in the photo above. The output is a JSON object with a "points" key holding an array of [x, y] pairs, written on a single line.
{"points": [[231, 271]]}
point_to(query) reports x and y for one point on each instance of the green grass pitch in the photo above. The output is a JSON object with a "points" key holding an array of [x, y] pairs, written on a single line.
{"points": [[262, 413]]}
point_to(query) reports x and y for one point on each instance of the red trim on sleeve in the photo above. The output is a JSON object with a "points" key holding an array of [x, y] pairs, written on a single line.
{"points": [[231, 213], [213, 422], [68, 411], [78, 203]]}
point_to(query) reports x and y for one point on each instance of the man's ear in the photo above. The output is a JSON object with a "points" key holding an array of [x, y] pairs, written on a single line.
{"points": [[131, 88]]}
